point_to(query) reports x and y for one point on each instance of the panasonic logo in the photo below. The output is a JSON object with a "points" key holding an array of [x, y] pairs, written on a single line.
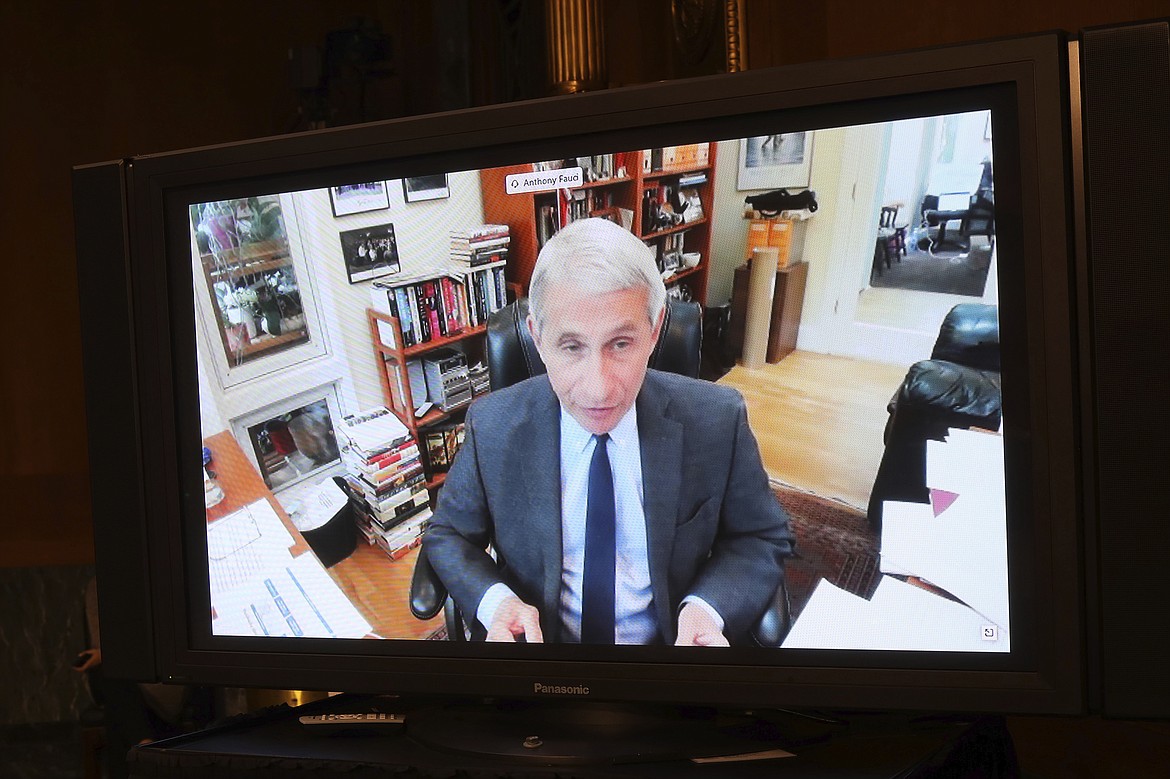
{"points": [[559, 689]]}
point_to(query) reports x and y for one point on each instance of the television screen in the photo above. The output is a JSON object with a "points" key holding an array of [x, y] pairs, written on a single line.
{"points": [[872, 448], [292, 378]]}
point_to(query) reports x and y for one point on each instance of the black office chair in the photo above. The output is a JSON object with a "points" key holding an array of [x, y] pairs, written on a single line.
{"points": [[511, 358]]}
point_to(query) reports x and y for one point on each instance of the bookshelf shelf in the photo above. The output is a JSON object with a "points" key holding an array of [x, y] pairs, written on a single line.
{"points": [[607, 182], [467, 332], [682, 274], [676, 229], [437, 415], [394, 377], [423, 348], [274, 342], [675, 172], [274, 251]]}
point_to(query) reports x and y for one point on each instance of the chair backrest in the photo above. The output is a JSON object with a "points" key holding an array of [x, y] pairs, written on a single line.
{"points": [[512, 355], [969, 336], [889, 216]]}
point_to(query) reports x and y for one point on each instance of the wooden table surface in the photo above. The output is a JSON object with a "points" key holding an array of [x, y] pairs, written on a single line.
{"points": [[378, 586]]}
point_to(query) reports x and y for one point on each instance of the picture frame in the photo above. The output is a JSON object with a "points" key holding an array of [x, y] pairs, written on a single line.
{"points": [[348, 199], [419, 188], [370, 252], [778, 161]]}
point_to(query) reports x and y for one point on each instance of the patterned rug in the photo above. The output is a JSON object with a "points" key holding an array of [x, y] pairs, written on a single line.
{"points": [[833, 542]]}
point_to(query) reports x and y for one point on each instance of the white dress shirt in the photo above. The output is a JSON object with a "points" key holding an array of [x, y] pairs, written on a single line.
{"points": [[634, 615]]}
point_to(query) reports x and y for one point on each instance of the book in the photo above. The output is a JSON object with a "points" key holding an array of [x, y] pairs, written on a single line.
{"points": [[405, 536], [374, 431], [462, 245], [383, 496], [355, 463], [389, 516], [392, 471], [393, 483], [414, 505], [482, 232], [692, 179]]}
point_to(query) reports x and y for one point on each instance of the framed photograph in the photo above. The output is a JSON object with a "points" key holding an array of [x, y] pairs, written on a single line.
{"points": [[359, 198], [416, 188], [775, 161], [370, 252]]}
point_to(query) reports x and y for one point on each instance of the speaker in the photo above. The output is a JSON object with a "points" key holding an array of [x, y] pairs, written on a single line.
{"points": [[115, 453], [1125, 97]]}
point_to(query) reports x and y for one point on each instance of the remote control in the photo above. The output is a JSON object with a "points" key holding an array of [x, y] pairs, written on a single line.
{"points": [[323, 722]]}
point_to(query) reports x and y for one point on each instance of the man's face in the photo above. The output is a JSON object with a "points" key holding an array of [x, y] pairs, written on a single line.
{"points": [[595, 347]]}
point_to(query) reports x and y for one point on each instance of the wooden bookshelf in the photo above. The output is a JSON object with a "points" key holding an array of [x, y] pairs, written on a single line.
{"points": [[520, 213], [395, 379]]}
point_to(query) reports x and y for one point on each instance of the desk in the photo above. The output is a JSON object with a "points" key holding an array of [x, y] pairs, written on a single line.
{"points": [[376, 585]]}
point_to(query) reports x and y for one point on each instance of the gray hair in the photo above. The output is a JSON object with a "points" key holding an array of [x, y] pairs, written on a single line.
{"points": [[595, 255]]}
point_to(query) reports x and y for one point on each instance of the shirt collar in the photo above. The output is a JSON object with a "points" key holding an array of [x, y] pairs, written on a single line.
{"points": [[575, 438]]}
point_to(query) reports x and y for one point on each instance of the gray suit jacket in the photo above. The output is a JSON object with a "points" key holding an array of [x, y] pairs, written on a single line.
{"points": [[713, 527]]}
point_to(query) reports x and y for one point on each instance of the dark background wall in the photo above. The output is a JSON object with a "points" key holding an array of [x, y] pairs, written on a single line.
{"points": [[93, 81]]}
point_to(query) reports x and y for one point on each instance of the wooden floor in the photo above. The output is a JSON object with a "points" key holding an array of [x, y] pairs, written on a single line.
{"points": [[819, 420], [380, 589], [906, 309]]}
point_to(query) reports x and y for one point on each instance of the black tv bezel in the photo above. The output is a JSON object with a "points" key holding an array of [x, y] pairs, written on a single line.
{"points": [[1035, 67]]}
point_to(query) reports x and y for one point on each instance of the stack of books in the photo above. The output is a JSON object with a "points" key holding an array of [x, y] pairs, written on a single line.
{"points": [[479, 255], [384, 472], [480, 246]]}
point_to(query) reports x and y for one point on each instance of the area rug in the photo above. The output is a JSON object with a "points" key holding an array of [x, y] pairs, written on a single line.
{"points": [[948, 272], [833, 542]]}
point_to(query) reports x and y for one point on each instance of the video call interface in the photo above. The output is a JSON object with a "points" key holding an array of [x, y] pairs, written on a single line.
{"points": [[341, 341]]}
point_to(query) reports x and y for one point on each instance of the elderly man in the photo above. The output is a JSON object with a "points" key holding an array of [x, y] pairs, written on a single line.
{"points": [[623, 505]]}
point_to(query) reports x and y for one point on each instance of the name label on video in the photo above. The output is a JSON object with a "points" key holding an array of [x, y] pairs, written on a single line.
{"points": [[543, 181]]}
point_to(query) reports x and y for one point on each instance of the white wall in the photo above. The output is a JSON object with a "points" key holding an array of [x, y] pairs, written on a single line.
{"points": [[825, 237], [905, 172], [961, 172], [421, 232], [729, 229], [816, 241]]}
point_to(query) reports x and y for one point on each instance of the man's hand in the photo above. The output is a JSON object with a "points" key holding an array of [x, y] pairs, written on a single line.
{"points": [[696, 627], [515, 618], [92, 659]]}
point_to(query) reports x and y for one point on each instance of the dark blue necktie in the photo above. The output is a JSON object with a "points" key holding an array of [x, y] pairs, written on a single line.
{"points": [[597, 592]]}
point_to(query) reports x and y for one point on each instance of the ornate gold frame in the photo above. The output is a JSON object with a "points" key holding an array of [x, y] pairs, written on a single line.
{"points": [[735, 25]]}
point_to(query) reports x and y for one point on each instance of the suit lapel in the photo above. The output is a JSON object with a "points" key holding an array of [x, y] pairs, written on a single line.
{"points": [[538, 446], [661, 440]]}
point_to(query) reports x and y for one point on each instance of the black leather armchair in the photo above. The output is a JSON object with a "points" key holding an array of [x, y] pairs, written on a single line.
{"points": [[512, 357], [958, 387]]}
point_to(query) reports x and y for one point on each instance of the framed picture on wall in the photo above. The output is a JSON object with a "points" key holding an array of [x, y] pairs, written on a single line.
{"points": [[358, 198], [370, 252], [775, 161], [416, 188]]}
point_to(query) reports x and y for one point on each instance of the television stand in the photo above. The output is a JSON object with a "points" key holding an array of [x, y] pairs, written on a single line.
{"points": [[486, 738], [588, 733]]}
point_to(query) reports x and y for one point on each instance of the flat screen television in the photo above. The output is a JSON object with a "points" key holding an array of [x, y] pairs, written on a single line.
{"points": [[280, 334]]}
